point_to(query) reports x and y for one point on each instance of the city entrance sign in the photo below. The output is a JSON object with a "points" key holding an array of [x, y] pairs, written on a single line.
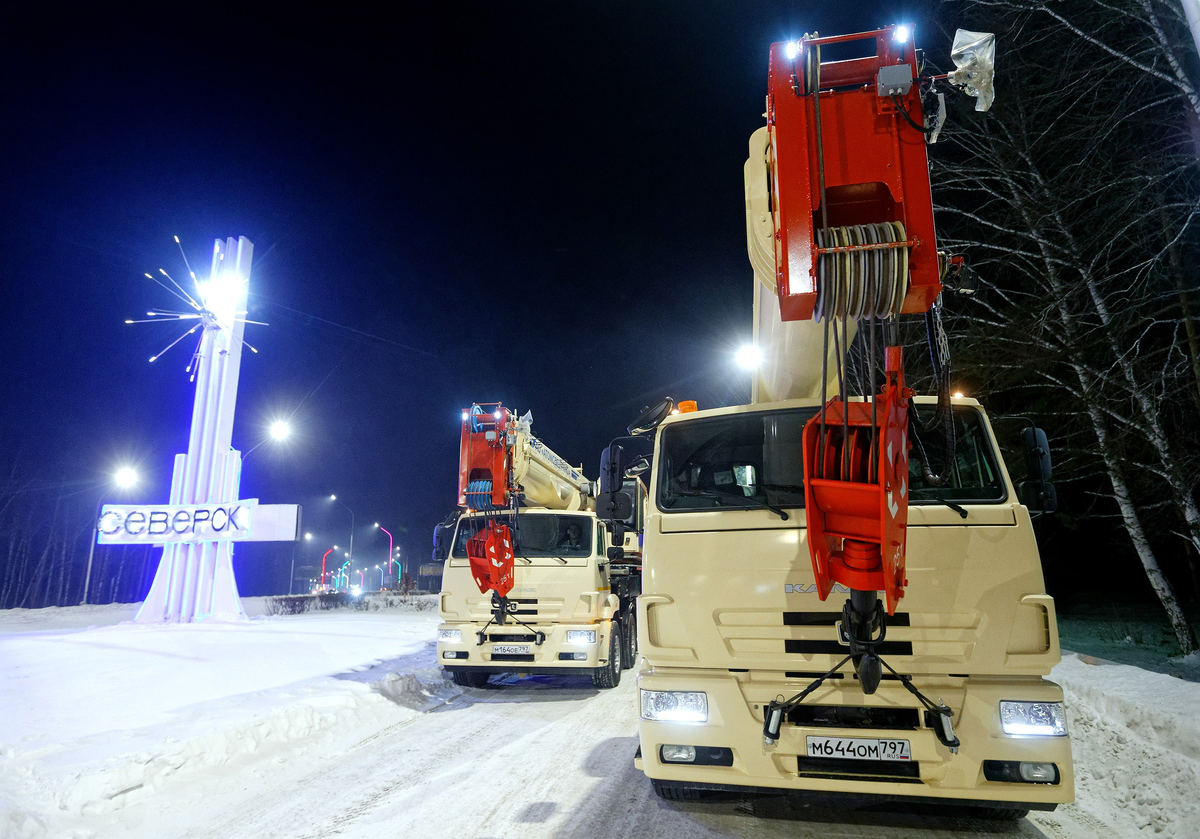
{"points": [[235, 521], [197, 529]]}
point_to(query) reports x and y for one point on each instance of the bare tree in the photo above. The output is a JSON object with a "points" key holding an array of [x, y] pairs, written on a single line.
{"points": [[1062, 193]]}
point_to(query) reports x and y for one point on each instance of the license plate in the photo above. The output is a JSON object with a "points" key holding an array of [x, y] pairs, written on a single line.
{"points": [[858, 749], [510, 649]]}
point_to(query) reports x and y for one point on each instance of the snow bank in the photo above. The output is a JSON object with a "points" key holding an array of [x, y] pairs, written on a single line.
{"points": [[1135, 739], [97, 719]]}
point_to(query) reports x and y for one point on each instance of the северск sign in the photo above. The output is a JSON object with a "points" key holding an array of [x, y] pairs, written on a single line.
{"points": [[236, 521]]}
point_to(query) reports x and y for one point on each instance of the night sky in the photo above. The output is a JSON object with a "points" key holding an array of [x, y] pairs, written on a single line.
{"points": [[539, 203]]}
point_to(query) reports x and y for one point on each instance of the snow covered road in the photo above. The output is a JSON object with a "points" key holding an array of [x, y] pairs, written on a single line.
{"points": [[339, 724]]}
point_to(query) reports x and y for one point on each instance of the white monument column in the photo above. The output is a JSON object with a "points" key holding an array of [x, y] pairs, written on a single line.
{"points": [[195, 580]]}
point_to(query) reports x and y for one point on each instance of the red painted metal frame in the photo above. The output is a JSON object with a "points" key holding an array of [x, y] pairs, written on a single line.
{"points": [[876, 167], [491, 555], [857, 528], [483, 459]]}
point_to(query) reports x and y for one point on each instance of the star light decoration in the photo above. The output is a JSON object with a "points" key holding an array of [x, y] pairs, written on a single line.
{"points": [[214, 306]]}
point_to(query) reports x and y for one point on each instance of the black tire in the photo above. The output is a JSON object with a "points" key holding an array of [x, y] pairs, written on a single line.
{"points": [[469, 678], [629, 653], [675, 791], [609, 676], [1001, 814]]}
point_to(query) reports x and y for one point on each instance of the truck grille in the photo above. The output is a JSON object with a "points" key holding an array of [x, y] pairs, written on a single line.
{"points": [[846, 769], [854, 716], [831, 619], [802, 647], [499, 638]]}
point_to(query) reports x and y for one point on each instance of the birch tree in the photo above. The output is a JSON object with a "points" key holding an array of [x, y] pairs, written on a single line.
{"points": [[1077, 198]]}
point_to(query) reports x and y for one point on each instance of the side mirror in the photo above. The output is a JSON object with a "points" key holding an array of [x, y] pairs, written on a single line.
{"points": [[616, 553], [614, 506], [1038, 496], [650, 418], [612, 466], [1037, 454], [637, 467]]}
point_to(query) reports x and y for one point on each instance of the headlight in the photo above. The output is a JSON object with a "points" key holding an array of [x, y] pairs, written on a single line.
{"points": [[674, 706], [581, 636], [450, 636], [1046, 719]]}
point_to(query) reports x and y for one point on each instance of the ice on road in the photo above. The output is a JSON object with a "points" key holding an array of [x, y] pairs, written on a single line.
{"points": [[340, 724]]}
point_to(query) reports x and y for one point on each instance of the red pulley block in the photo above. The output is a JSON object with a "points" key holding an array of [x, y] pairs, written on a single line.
{"points": [[491, 555], [856, 504]]}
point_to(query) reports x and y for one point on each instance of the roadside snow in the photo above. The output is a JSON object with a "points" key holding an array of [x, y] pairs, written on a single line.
{"points": [[1135, 738], [97, 719]]}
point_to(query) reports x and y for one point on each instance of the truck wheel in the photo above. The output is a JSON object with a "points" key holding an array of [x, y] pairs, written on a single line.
{"points": [[675, 791], [609, 676], [630, 653], [469, 678]]}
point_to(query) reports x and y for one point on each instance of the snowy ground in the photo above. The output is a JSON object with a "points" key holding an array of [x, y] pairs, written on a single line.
{"points": [[340, 724]]}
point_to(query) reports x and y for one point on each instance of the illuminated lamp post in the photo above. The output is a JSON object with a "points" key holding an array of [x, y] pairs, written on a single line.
{"points": [[292, 573], [381, 573], [125, 478], [327, 553], [279, 431], [389, 533]]}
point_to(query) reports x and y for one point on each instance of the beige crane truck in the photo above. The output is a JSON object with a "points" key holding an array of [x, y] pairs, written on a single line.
{"points": [[731, 621], [562, 607]]}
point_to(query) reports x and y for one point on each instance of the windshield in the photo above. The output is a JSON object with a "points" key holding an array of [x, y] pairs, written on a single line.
{"points": [[748, 461], [742, 461], [975, 477], [535, 535]]}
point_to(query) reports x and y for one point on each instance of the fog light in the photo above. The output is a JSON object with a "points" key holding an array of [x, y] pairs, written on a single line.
{"points": [[581, 636], [572, 656], [679, 754], [1039, 773], [1012, 772], [1045, 719], [455, 654]]}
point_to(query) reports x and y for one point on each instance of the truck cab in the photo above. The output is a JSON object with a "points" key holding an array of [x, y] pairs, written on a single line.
{"points": [[571, 607], [730, 619]]}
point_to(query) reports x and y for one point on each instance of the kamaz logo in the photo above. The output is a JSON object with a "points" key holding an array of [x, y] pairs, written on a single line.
{"points": [[811, 588]]}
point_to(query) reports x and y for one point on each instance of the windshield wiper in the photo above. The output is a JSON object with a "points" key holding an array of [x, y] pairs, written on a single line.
{"points": [[721, 496], [962, 511]]}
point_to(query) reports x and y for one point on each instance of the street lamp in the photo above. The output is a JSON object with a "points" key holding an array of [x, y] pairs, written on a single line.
{"points": [[278, 432], [389, 533], [380, 577], [351, 512], [292, 573], [124, 478], [327, 553]]}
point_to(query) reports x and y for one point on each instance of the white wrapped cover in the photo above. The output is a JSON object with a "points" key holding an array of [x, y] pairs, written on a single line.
{"points": [[974, 54]]}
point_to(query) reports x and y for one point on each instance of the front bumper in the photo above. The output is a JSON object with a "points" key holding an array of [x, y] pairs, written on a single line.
{"points": [[735, 721], [545, 658]]}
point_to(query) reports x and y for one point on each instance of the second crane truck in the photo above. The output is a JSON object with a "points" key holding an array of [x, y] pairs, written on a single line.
{"points": [[528, 586]]}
